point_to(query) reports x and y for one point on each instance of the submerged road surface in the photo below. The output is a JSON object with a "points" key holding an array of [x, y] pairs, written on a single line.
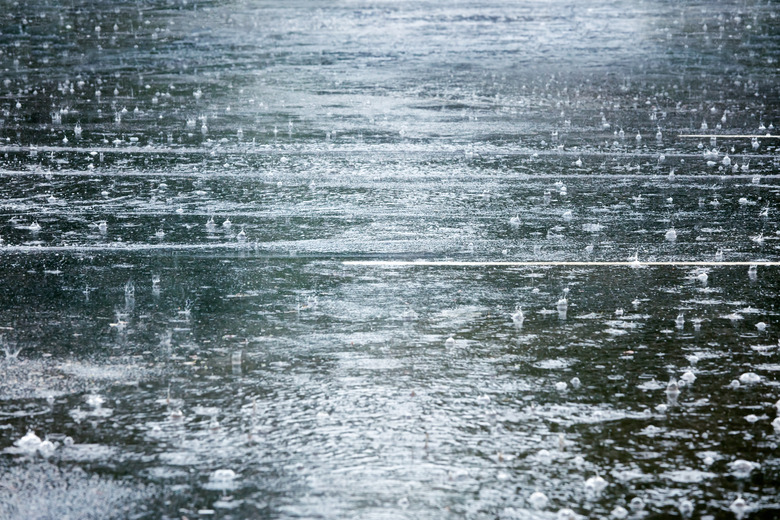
{"points": [[382, 260]]}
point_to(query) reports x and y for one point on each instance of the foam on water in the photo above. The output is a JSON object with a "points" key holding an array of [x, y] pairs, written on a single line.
{"points": [[42, 490]]}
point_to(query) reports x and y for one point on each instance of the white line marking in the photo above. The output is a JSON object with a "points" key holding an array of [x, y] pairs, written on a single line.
{"points": [[766, 136], [248, 174], [454, 152], [456, 263], [122, 247]]}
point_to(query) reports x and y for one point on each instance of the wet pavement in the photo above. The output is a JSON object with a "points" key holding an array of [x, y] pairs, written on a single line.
{"points": [[389, 260]]}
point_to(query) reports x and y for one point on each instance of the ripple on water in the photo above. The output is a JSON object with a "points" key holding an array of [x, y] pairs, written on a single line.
{"points": [[37, 379], [579, 413], [42, 490], [555, 364], [89, 453], [344, 404], [688, 476], [651, 385]]}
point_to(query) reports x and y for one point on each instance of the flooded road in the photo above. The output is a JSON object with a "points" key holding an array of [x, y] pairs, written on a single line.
{"points": [[389, 260]]}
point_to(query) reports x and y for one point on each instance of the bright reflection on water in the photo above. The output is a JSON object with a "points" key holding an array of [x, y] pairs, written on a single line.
{"points": [[184, 184]]}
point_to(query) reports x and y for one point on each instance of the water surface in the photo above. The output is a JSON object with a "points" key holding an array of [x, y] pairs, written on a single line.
{"points": [[186, 186]]}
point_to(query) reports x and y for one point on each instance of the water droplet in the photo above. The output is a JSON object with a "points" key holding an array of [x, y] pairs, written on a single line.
{"points": [[538, 500]]}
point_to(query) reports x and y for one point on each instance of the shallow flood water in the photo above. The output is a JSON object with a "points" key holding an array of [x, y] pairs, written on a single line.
{"points": [[377, 260]]}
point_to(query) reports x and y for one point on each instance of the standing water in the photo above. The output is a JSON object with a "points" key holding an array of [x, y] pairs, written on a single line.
{"points": [[447, 283]]}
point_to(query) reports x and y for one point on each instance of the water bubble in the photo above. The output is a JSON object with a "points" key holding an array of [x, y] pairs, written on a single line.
{"points": [[749, 378], [223, 475], [47, 448], [672, 389], [538, 500], [739, 507], [636, 504], [685, 507], [567, 514], [743, 468], [595, 485], [29, 444], [221, 480]]}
